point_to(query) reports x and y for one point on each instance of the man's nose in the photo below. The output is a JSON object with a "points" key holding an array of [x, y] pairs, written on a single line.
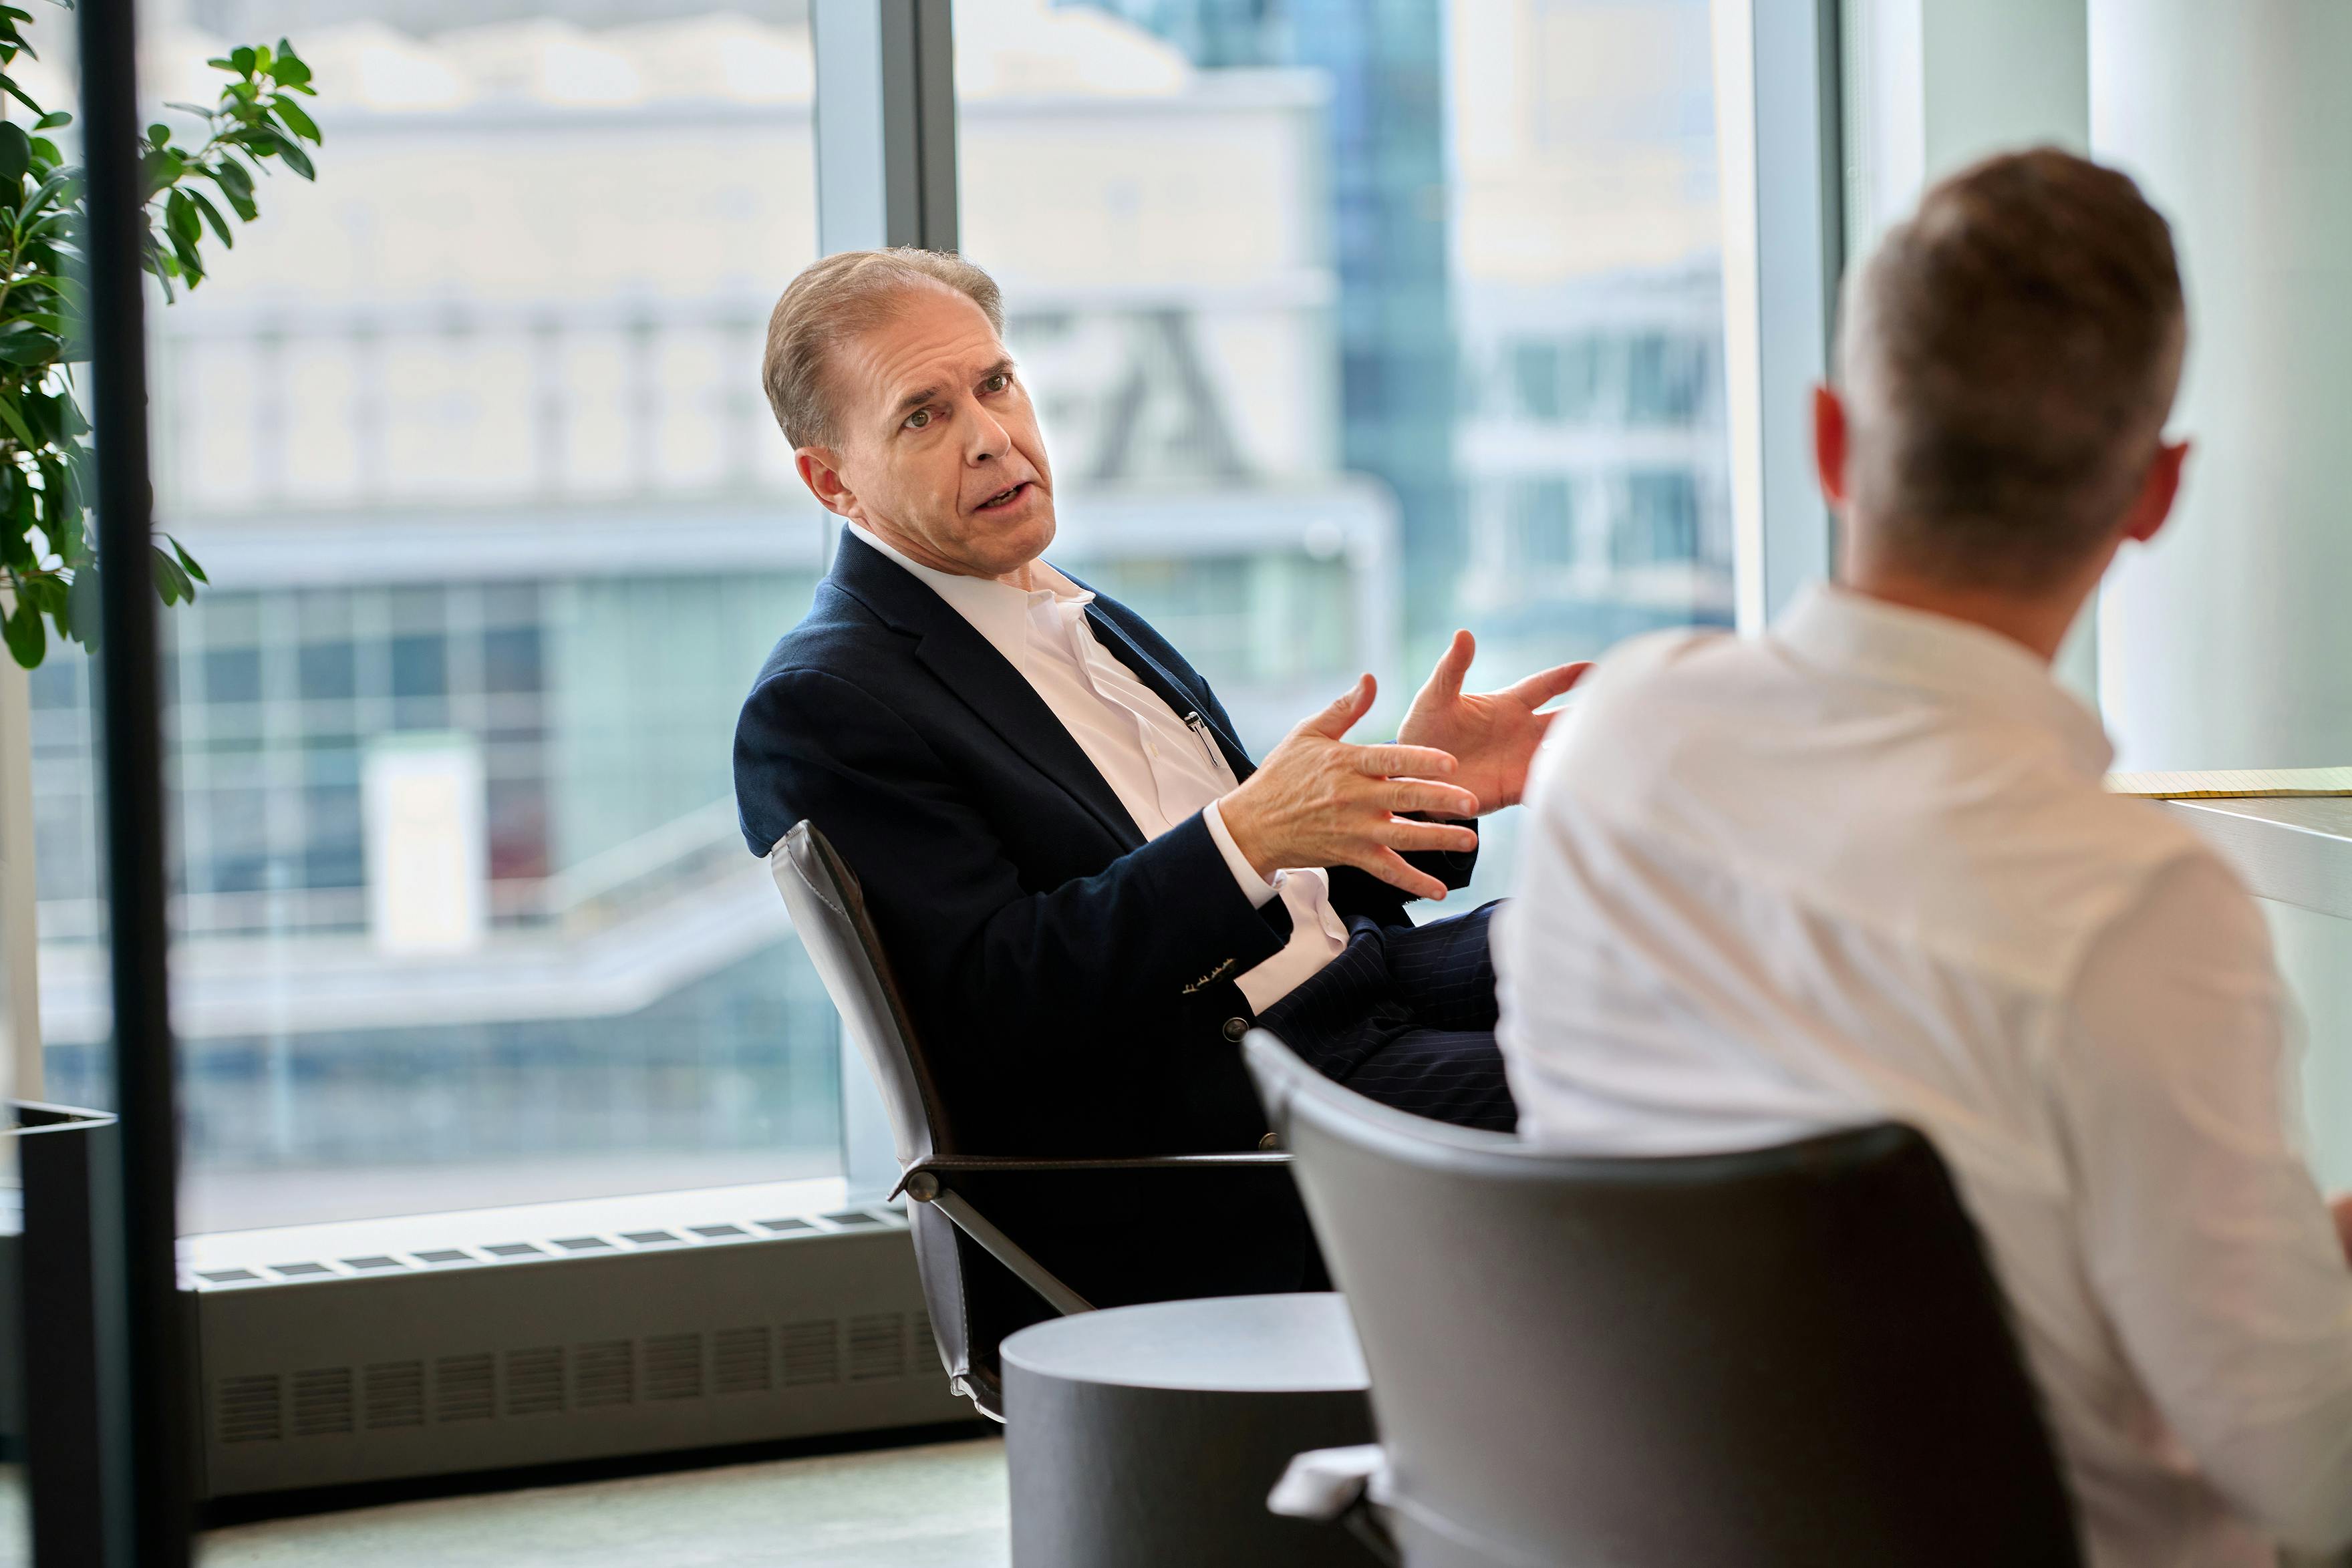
{"points": [[988, 437]]}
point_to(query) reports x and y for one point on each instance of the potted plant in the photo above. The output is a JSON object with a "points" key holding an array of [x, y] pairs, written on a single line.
{"points": [[49, 584], [46, 562]]}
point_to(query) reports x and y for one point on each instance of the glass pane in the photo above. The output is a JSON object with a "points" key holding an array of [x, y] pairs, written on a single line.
{"points": [[1351, 324], [468, 437]]}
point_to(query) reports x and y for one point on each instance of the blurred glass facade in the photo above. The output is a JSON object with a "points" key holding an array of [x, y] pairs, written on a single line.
{"points": [[1349, 322]]}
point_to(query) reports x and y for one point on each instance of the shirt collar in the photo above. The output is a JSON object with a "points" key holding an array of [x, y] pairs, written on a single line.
{"points": [[1955, 659], [997, 611]]}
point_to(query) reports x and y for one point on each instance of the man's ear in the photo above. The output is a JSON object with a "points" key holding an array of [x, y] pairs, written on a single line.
{"points": [[1829, 441], [2153, 504], [819, 470]]}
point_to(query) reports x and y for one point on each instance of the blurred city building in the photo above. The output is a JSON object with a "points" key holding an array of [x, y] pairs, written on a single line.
{"points": [[1331, 354]]}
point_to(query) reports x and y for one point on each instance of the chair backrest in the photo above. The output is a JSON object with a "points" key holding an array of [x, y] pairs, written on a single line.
{"points": [[1792, 1355], [828, 911]]}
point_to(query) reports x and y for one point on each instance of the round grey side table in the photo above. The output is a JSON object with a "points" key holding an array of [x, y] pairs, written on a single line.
{"points": [[1148, 1436]]}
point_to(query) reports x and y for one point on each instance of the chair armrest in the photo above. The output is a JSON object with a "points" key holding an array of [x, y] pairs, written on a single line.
{"points": [[1324, 1483], [1342, 1485], [949, 1164]]}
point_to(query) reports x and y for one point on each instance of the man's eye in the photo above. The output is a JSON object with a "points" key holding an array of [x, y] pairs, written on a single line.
{"points": [[919, 419], [996, 383]]}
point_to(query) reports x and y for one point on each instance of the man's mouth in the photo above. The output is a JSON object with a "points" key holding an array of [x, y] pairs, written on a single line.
{"points": [[1004, 498]]}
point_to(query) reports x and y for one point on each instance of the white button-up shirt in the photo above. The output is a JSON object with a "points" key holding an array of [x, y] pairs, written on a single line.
{"points": [[1864, 868], [1161, 768]]}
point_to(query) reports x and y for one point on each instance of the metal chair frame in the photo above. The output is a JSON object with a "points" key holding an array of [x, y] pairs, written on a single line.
{"points": [[828, 910]]}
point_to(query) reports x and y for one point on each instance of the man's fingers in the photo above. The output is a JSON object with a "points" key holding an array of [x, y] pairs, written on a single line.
{"points": [[1453, 665], [1402, 833], [1340, 716], [1394, 761], [1421, 795], [1392, 869], [1545, 685]]}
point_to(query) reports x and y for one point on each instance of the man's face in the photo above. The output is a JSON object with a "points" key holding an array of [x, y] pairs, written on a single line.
{"points": [[939, 451]]}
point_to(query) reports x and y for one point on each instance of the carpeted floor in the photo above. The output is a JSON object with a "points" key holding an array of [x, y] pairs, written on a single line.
{"points": [[942, 1506]]}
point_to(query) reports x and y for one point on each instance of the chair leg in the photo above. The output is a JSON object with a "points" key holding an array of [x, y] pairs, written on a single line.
{"points": [[1004, 1249]]}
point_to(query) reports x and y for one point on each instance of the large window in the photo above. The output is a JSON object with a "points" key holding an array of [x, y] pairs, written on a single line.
{"points": [[1351, 324], [469, 438]]}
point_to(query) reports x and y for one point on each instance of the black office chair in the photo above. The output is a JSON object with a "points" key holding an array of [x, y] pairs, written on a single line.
{"points": [[970, 1299], [1790, 1356]]}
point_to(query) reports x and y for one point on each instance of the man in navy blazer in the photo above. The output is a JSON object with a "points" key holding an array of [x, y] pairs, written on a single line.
{"points": [[1086, 889]]}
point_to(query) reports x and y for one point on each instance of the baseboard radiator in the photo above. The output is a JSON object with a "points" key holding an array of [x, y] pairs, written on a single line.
{"points": [[444, 1360]]}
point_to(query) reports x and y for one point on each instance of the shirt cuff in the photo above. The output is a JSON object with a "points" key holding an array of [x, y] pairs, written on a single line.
{"points": [[1256, 888]]}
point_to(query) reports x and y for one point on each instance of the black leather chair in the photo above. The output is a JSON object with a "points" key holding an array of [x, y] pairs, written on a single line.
{"points": [[978, 1282], [1795, 1356]]}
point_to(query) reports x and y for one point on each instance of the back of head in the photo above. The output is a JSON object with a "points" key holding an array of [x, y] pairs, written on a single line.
{"points": [[2007, 358]]}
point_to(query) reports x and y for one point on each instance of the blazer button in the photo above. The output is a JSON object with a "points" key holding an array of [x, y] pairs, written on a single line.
{"points": [[1236, 1027], [1270, 1143]]}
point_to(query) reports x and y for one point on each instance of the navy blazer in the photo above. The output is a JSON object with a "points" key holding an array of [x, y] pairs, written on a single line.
{"points": [[1072, 982]]}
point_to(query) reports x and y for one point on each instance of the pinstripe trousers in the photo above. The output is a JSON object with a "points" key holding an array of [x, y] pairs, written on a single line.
{"points": [[1405, 1014]]}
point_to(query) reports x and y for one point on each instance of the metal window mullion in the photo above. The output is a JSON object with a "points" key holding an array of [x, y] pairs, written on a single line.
{"points": [[885, 124], [145, 1360], [885, 176], [1779, 81]]}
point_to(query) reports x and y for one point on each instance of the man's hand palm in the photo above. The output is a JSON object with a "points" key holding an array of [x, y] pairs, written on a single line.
{"points": [[1492, 735]]}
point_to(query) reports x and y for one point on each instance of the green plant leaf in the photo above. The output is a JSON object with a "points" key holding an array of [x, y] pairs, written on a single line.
{"points": [[236, 183], [29, 347], [300, 123], [159, 134], [180, 214], [241, 60], [16, 153], [212, 215], [28, 639], [286, 148], [82, 596], [191, 267], [170, 582], [15, 420], [188, 562], [286, 70], [52, 119]]}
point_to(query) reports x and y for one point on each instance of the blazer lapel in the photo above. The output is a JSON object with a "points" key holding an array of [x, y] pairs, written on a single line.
{"points": [[968, 665], [1165, 684]]}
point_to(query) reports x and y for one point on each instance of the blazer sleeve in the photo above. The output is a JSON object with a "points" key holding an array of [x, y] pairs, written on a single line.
{"points": [[1162, 928]]}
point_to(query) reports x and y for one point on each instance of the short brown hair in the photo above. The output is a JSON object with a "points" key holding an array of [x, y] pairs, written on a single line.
{"points": [[2008, 356], [834, 301]]}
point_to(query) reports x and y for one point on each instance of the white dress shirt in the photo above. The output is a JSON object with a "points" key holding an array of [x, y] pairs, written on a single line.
{"points": [[1864, 868], [1161, 768]]}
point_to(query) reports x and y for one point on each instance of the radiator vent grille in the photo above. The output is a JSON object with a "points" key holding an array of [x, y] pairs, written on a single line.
{"points": [[395, 1394], [918, 1338], [812, 1353], [739, 1361], [607, 1373], [251, 1410], [323, 1402], [465, 1388], [674, 1366], [877, 1347], [535, 1381]]}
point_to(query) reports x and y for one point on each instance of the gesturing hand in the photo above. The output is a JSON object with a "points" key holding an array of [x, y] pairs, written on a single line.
{"points": [[1318, 801], [1492, 735]]}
